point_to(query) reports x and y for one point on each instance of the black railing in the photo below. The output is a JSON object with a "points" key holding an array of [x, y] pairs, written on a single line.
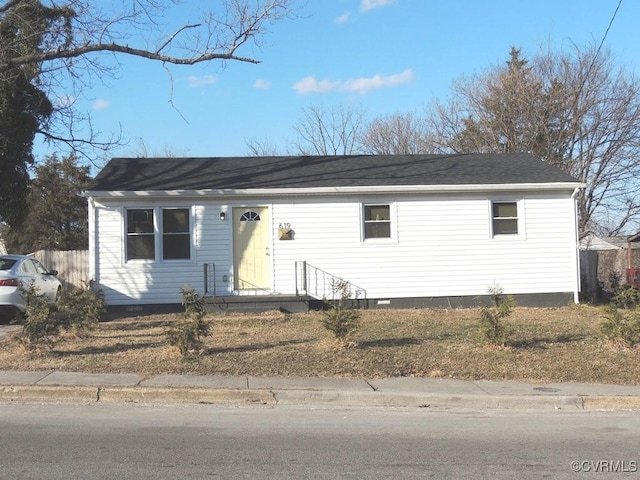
{"points": [[322, 285], [209, 272]]}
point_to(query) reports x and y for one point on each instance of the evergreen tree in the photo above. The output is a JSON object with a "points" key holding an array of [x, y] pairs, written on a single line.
{"points": [[56, 218]]}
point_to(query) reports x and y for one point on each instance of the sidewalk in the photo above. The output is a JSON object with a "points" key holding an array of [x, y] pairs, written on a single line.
{"points": [[67, 387]]}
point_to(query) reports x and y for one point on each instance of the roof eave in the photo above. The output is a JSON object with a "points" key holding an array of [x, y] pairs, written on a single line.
{"points": [[376, 189]]}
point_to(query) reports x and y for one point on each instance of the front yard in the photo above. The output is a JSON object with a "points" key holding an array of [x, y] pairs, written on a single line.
{"points": [[547, 345]]}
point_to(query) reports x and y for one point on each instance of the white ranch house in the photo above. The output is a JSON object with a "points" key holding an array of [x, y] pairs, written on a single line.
{"points": [[403, 230]]}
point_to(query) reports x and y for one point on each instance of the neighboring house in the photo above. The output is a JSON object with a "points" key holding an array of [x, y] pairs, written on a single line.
{"points": [[609, 262], [416, 230]]}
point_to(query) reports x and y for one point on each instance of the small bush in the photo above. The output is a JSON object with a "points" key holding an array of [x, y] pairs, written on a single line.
{"points": [[81, 308], [626, 296], [342, 319], [622, 329], [38, 328], [187, 336], [193, 303], [492, 327]]}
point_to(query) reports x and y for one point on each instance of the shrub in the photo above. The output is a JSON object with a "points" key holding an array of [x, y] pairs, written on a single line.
{"points": [[342, 318], [622, 329], [626, 296], [187, 336], [81, 308], [193, 303], [492, 327], [38, 327]]}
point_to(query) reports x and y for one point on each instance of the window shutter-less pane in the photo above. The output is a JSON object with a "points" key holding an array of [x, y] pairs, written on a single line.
{"points": [[176, 247], [140, 221], [175, 220], [377, 221], [505, 218], [377, 230], [505, 226], [141, 247], [505, 210], [176, 234], [377, 213], [140, 234]]}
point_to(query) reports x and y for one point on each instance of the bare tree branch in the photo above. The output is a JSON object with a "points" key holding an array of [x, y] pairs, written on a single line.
{"points": [[324, 131], [576, 110]]}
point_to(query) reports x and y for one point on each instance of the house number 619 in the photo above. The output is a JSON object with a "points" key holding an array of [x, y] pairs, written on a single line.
{"points": [[284, 225]]}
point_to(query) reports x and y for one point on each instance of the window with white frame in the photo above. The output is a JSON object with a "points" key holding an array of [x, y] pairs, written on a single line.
{"points": [[176, 234], [504, 218], [141, 244], [377, 221], [149, 230]]}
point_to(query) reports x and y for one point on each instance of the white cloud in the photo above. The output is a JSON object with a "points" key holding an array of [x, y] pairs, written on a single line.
{"points": [[311, 85], [344, 18], [262, 84], [101, 104], [366, 5], [195, 82], [362, 85]]}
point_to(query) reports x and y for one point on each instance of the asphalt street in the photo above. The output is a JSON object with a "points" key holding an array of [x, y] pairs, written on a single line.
{"points": [[207, 441]]}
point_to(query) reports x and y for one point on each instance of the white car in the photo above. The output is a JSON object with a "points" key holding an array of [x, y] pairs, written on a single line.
{"points": [[21, 272]]}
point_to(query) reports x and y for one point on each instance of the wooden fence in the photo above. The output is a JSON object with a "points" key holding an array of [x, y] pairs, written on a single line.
{"points": [[72, 265]]}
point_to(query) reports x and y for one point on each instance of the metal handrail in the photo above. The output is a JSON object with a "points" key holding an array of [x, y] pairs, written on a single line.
{"points": [[322, 285], [209, 272]]}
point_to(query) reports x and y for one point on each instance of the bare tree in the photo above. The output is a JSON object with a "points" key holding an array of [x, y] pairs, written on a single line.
{"points": [[264, 148], [576, 110], [323, 131], [52, 51], [67, 42], [398, 134], [142, 150]]}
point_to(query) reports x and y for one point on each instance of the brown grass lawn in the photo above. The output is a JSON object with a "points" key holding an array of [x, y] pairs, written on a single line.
{"points": [[547, 345]]}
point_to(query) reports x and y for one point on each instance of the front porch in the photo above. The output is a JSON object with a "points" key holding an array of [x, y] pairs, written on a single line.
{"points": [[315, 289]]}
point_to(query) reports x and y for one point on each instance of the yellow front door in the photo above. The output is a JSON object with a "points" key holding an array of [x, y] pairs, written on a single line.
{"points": [[251, 256]]}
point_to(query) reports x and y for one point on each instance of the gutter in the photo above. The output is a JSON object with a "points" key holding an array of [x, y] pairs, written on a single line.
{"points": [[576, 293], [356, 190]]}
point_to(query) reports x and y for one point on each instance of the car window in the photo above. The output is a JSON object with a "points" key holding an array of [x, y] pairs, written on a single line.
{"points": [[6, 263], [29, 267], [39, 267]]}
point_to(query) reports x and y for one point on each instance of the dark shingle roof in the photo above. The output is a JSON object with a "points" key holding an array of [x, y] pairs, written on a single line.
{"points": [[139, 174]]}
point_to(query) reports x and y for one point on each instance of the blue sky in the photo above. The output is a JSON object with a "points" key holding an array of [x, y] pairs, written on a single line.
{"points": [[383, 56]]}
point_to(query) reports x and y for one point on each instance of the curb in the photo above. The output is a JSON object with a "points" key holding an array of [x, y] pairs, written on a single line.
{"points": [[268, 397], [54, 394], [441, 401], [185, 395], [84, 394]]}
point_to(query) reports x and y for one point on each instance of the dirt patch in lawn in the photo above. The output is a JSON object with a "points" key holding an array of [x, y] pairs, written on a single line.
{"points": [[547, 345]]}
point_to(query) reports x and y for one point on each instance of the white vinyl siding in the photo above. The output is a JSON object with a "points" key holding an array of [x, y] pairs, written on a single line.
{"points": [[442, 246], [132, 282]]}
